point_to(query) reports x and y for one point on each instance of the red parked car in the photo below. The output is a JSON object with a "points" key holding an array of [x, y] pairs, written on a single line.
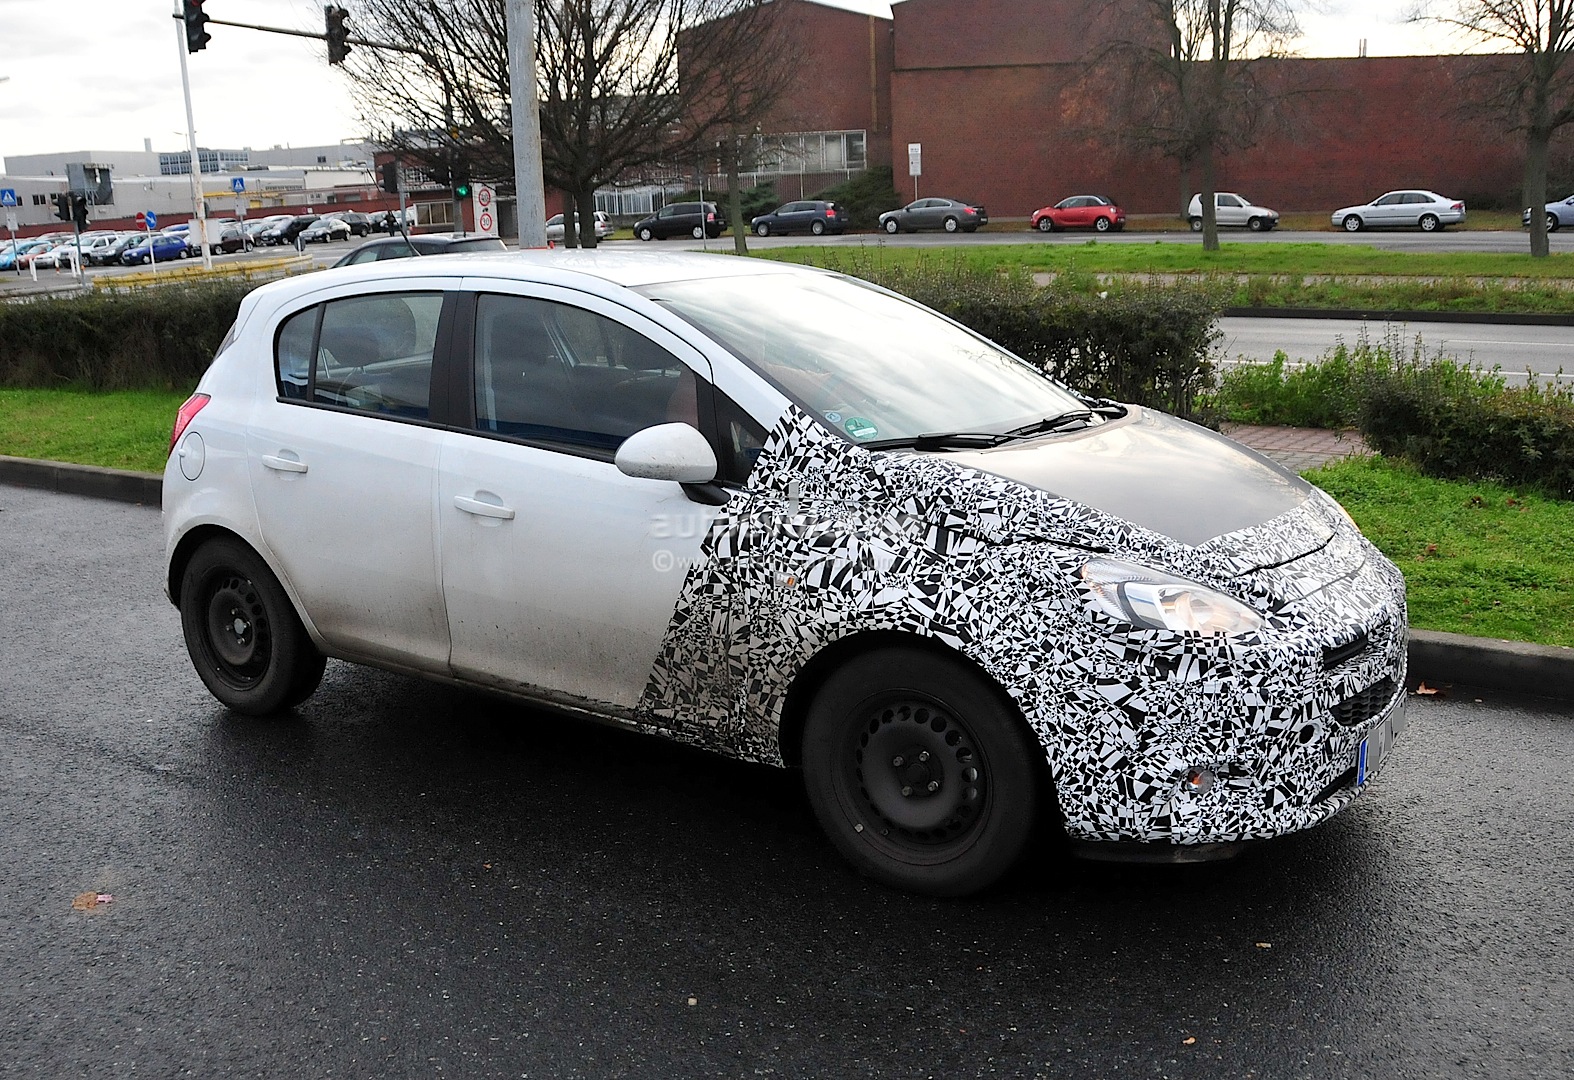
{"points": [[1080, 212]]}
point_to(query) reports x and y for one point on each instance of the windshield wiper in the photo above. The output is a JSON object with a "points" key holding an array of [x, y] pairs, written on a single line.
{"points": [[943, 440], [1053, 423]]}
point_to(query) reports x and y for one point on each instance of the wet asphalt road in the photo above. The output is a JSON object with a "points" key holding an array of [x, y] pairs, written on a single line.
{"points": [[412, 880]]}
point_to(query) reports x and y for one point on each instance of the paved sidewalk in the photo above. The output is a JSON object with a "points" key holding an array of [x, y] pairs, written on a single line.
{"points": [[1299, 448]]}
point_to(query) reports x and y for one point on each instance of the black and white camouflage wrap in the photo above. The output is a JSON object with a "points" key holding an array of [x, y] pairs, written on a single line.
{"points": [[829, 540]]}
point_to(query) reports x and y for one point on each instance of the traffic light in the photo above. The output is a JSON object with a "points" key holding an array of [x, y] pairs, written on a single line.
{"points": [[390, 177], [461, 182], [63, 206], [197, 36], [79, 211], [337, 33]]}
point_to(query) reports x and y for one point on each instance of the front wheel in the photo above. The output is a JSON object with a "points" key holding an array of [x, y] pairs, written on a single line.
{"points": [[1046, 224], [762, 229], [645, 233], [245, 640], [1429, 223], [891, 226], [817, 228], [1255, 224], [1196, 224], [1353, 223], [1101, 224], [921, 772]]}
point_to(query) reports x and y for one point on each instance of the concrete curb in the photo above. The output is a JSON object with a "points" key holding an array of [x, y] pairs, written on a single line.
{"points": [[1544, 670], [67, 479], [1488, 318]]}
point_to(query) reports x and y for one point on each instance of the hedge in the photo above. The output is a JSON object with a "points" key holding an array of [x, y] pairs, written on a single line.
{"points": [[157, 338]]}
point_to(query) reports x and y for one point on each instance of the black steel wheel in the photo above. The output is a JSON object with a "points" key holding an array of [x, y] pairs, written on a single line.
{"points": [[244, 637], [921, 772], [1196, 224]]}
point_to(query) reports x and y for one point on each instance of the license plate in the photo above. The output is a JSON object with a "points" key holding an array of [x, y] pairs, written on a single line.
{"points": [[1375, 747]]}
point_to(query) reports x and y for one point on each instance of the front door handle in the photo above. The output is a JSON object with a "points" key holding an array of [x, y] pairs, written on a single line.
{"points": [[484, 509], [283, 464]]}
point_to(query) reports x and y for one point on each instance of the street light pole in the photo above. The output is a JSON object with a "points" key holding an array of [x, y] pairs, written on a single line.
{"points": [[525, 111]]}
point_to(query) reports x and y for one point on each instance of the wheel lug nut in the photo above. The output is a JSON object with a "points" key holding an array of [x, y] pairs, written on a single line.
{"points": [[907, 791], [934, 785], [897, 762], [923, 755]]}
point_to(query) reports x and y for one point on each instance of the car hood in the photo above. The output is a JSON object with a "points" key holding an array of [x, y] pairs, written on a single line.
{"points": [[1154, 471]]}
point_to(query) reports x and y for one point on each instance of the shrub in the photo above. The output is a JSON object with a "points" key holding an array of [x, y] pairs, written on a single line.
{"points": [[1140, 342], [865, 196], [1325, 393], [1454, 421], [155, 338]]}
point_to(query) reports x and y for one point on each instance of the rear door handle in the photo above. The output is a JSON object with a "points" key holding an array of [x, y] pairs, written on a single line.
{"points": [[283, 464], [484, 509]]}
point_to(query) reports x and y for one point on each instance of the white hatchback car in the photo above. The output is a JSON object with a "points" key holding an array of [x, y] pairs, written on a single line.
{"points": [[1233, 211], [794, 518]]}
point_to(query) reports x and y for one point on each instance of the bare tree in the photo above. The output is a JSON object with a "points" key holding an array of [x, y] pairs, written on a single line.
{"points": [[1534, 91], [608, 83], [1191, 85]]}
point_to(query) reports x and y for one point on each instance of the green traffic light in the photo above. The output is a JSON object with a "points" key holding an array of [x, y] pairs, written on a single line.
{"points": [[463, 191]]}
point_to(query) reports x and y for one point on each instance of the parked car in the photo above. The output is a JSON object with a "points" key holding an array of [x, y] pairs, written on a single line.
{"points": [[360, 224], [326, 229], [234, 237], [1080, 212], [285, 231], [50, 257], [25, 251], [682, 219], [604, 226], [1559, 214], [402, 247], [814, 216], [164, 247], [1426, 210], [1233, 211], [948, 214], [110, 253], [774, 512]]}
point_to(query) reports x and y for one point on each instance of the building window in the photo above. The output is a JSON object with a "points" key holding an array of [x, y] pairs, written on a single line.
{"points": [[40, 200]]}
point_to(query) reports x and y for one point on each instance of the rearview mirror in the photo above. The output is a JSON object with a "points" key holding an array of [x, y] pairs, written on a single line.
{"points": [[674, 452]]}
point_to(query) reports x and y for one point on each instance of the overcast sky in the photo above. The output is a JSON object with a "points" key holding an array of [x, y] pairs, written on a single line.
{"points": [[105, 74]]}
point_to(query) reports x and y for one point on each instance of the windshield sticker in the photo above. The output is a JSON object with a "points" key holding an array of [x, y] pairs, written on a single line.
{"points": [[859, 428], [833, 418]]}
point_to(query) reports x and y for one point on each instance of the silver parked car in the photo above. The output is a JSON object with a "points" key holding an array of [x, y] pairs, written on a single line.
{"points": [[948, 214], [1233, 211], [1559, 214], [1426, 210]]}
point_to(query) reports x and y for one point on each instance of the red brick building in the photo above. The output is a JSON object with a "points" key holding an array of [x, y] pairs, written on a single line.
{"points": [[1010, 112]]}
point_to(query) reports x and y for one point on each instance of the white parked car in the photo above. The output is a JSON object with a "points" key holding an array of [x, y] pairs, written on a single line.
{"points": [[604, 226], [791, 517], [1426, 210], [1233, 211]]}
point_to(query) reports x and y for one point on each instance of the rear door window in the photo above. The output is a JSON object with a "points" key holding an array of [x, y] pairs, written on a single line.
{"points": [[367, 353]]}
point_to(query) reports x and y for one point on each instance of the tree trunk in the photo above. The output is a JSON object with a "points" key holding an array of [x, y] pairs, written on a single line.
{"points": [[1210, 215], [570, 226], [740, 231], [1536, 188], [587, 217]]}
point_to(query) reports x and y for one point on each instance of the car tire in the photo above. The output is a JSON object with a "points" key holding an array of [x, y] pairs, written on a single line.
{"points": [[762, 229], [1101, 224], [1046, 224], [1196, 224], [951, 224], [921, 771], [245, 640], [698, 232], [817, 228], [892, 226], [645, 233], [1429, 223], [1254, 224], [1352, 223], [1552, 223]]}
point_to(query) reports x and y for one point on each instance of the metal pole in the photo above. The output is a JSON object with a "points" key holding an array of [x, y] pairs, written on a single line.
{"points": [[191, 141], [525, 113]]}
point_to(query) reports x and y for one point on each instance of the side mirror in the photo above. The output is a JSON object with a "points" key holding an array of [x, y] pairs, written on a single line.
{"points": [[667, 452]]}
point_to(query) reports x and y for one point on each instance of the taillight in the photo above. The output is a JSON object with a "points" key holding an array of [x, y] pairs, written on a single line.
{"points": [[188, 413], [1459, 206], [711, 216]]}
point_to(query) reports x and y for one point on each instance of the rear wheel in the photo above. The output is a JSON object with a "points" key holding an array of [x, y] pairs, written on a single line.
{"points": [[1196, 224], [698, 232], [817, 228], [244, 637], [921, 772], [1101, 224], [951, 224], [1353, 223], [1429, 223]]}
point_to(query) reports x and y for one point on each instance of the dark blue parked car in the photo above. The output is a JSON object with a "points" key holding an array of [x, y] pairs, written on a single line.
{"points": [[806, 215], [165, 247]]}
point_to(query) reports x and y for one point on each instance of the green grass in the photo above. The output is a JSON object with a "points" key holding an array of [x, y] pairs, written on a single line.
{"points": [[1478, 558], [126, 430]]}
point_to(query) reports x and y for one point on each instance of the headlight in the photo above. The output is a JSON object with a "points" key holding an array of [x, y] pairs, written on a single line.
{"points": [[1160, 601]]}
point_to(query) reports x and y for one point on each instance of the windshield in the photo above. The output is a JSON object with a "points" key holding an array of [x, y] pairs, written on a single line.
{"points": [[873, 366]]}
